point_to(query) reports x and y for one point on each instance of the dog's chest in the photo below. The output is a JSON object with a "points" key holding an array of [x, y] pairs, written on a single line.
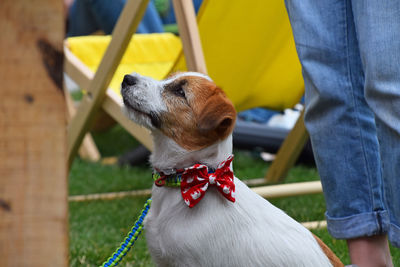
{"points": [[217, 232], [175, 232], [205, 235]]}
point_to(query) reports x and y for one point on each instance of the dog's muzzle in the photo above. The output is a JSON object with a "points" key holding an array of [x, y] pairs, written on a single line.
{"points": [[129, 80], [127, 84]]}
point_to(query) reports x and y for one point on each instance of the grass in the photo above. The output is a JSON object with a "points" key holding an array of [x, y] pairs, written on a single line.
{"points": [[98, 227]]}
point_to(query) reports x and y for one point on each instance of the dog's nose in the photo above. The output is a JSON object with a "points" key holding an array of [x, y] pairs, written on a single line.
{"points": [[129, 80]]}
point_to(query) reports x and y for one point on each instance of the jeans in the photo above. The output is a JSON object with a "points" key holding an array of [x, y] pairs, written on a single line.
{"points": [[170, 16], [88, 16], [350, 56]]}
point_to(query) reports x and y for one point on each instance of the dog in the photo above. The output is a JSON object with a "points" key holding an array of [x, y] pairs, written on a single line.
{"points": [[219, 221]]}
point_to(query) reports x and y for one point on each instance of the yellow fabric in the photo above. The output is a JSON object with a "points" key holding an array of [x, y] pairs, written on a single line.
{"points": [[248, 48], [148, 54], [250, 52]]}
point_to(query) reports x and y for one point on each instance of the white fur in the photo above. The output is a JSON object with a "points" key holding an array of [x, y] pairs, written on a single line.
{"points": [[148, 99], [216, 232], [190, 73]]}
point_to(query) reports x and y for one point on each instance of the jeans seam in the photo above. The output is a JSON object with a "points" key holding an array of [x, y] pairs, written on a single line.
{"points": [[351, 82]]}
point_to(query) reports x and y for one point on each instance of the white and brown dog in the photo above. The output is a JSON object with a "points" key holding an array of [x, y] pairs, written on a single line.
{"points": [[191, 121]]}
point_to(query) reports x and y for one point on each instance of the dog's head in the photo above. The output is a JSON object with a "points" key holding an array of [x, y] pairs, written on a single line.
{"points": [[186, 107]]}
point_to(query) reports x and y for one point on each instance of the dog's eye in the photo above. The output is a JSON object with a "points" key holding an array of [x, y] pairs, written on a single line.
{"points": [[176, 88], [180, 92]]}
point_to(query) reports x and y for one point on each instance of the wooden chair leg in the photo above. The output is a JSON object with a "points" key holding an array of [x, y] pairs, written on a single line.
{"points": [[289, 152], [112, 103], [189, 33], [123, 31], [88, 150]]}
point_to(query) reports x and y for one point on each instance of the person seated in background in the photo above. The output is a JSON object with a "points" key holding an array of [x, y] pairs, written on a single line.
{"points": [[85, 17]]}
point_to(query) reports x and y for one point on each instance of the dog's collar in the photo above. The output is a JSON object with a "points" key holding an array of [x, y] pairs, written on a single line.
{"points": [[195, 180], [171, 180], [175, 177]]}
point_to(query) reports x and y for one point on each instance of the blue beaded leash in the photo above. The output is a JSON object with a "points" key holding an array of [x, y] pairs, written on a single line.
{"points": [[130, 239]]}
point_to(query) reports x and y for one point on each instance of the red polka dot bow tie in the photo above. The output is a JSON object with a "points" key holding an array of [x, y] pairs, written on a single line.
{"points": [[196, 180]]}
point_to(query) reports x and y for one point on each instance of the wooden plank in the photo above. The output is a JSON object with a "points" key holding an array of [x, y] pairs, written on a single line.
{"points": [[75, 69], [288, 152], [80, 73], [126, 26], [112, 103], [110, 196], [189, 33], [314, 225], [288, 190], [269, 192], [33, 170]]}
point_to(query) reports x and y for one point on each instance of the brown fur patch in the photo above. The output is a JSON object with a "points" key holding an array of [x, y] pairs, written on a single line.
{"points": [[328, 252], [204, 116]]}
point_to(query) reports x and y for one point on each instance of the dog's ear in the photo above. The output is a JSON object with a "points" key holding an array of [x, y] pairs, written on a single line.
{"points": [[218, 116]]}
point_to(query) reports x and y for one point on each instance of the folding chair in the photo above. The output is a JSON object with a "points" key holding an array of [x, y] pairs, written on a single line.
{"points": [[253, 59]]}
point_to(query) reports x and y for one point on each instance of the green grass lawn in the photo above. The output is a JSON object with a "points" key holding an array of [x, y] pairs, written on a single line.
{"points": [[98, 227]]}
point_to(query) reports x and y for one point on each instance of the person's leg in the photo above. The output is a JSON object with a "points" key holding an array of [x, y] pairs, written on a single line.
{"points": [[377, 26], [106, 13], [378, 31], [80, 19], [340, 123], [370, 251], [151, 22]]}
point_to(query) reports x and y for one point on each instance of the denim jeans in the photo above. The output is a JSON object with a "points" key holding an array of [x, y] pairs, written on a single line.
{"points": [[350, 56], [88, 16]]}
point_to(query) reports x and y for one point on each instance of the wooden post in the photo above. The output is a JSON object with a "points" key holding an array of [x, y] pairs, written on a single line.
{"points": [[33, 169]]}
